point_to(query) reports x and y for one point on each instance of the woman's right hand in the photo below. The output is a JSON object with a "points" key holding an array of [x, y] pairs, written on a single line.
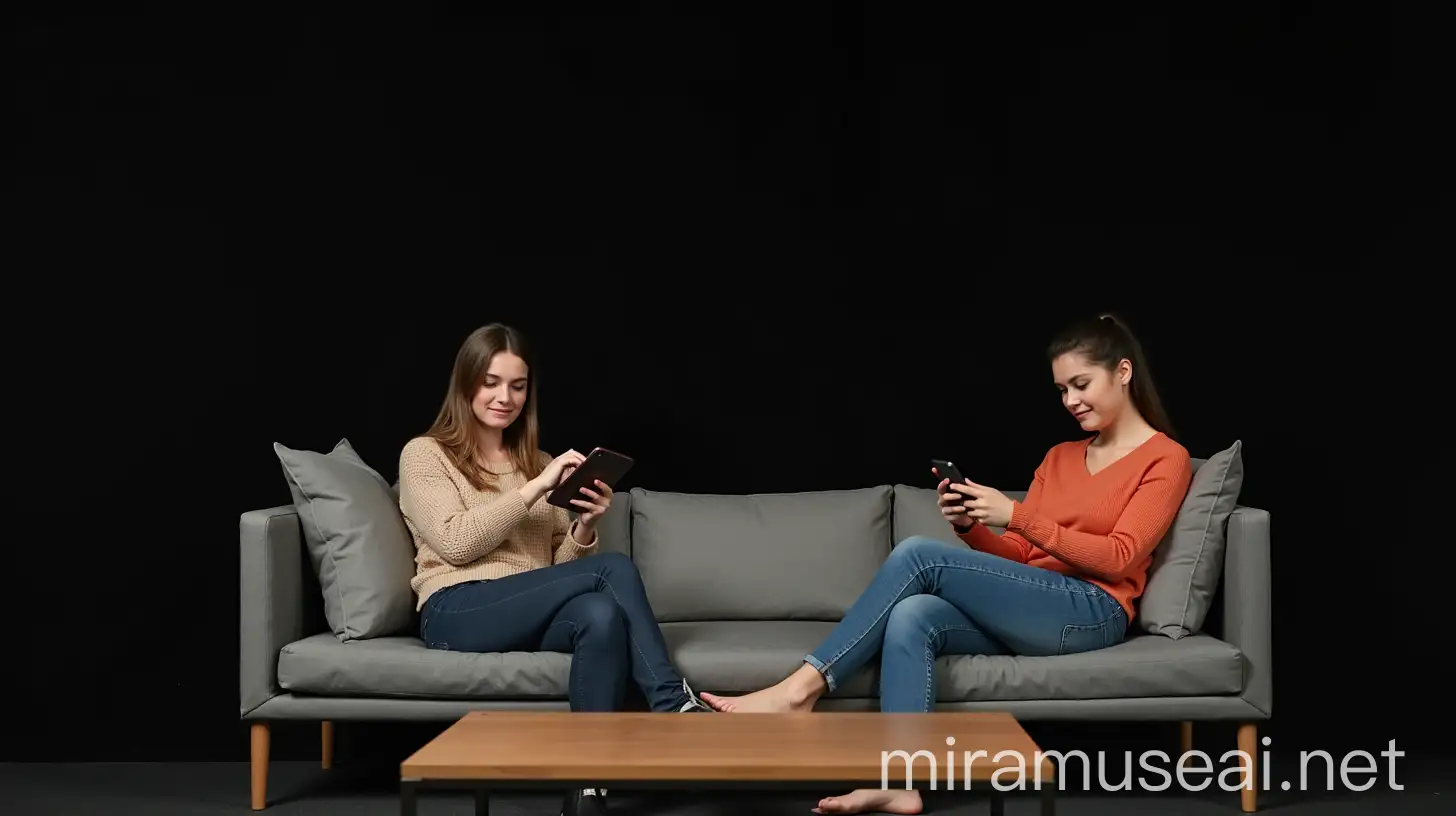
{"points": [[552, 475], [559, 468], [952, 505]]}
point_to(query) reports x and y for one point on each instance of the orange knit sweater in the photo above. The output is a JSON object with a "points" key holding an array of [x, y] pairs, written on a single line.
{"points": [[1101, 527]]}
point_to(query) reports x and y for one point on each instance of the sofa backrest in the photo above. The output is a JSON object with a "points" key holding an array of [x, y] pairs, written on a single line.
{"points": [[790, 556], [785, 556]]}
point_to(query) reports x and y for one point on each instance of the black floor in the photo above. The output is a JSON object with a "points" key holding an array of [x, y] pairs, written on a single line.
{"points": [[302, 789]]}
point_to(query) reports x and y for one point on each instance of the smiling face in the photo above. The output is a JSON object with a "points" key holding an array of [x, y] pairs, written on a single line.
{"points": [[1095, 396], [502, 394]]}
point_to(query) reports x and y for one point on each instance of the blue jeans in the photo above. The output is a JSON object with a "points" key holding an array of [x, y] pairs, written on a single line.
{"points": [[593, 608], [933, 598]]}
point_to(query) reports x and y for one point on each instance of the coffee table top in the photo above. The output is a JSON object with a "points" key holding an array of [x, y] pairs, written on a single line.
{"points": [[597, 748]]}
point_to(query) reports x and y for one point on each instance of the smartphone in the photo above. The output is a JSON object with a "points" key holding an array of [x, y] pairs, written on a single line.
{"points": [[948, 470], [601, 464]]}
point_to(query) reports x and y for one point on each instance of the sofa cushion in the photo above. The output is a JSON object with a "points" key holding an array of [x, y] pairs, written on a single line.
{"points": [[403, 667], [356, 538], [735, 657], [1188, 562], [1141, 666], [787, 556], [726, 656]]}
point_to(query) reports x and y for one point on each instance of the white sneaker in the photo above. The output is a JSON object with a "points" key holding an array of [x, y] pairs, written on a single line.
{"points": [[693, 705]]}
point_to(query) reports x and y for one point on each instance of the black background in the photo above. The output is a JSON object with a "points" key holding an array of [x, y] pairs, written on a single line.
{"points": [[761, 249]]}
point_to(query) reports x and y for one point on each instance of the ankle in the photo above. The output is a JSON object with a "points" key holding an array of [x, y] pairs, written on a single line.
{"points": [[805, 685]]}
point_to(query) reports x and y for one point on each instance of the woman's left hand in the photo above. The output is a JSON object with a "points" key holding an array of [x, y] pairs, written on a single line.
{"points": [[595, 506], [987, 505]]}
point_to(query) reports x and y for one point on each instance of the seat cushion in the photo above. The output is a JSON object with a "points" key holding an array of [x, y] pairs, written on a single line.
{"points": [[732, 657], [786, 556], [403, 667], [1141, 666], [735, 657], [728, 657]]}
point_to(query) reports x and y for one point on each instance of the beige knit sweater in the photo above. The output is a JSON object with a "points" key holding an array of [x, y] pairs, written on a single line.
{"points": [[463, 534]]}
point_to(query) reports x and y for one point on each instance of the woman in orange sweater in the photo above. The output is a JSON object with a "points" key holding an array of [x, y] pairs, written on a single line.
{"points": [[1061, 579]]}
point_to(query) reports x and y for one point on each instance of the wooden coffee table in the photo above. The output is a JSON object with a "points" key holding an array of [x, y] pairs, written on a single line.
{"points": [[504, 750]]}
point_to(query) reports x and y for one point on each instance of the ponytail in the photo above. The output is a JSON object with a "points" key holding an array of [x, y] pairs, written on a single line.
{"points": [[1107, 341]]}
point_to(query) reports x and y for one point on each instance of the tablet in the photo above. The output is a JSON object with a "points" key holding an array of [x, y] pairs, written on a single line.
{"points": [[602, 464]]}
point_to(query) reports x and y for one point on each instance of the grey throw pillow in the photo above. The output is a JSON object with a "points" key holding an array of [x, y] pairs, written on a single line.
{"points": [[1188, 563], [361, 549]]}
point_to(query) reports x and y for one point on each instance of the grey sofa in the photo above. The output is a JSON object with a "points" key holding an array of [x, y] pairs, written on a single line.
{"points": [[741, 623]]}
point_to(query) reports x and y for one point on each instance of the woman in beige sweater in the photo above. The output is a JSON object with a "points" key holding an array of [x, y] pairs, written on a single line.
{"points": [[498, 569]]}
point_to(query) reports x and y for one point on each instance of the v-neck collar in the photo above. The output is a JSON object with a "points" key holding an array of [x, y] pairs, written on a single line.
{"points": [[1087, 446]]}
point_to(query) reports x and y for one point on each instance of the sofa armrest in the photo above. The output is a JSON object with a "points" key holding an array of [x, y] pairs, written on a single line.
{"points": [[272, 612], [1248, 620]]}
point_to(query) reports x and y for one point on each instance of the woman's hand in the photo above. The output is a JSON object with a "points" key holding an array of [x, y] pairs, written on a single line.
{"points": [[594, 507], [952, 506], [987, 505], [551, 476], [559, 468]]}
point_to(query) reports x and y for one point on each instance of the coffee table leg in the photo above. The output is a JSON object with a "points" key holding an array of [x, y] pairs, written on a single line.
{"points": [[998, 803], [1049, 799], [407, 793], [482, 801]]}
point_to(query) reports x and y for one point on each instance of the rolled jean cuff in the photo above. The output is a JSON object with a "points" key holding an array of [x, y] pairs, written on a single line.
{"points": [[822, 669]]}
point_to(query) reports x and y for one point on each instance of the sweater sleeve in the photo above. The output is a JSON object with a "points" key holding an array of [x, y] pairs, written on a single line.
{"points": [[1009, 545], [1141, 527], [431, 501], [565, 542]]}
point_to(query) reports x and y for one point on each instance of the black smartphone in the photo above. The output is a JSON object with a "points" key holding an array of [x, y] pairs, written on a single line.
{"points": [[606, 465], [948, 470]]}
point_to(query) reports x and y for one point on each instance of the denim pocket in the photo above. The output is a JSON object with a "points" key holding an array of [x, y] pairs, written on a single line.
{"points": [[425, 615], [1078, 638], [425, 636]]}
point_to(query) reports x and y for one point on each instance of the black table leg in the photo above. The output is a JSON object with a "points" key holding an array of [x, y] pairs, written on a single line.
{"points": [[998, 803], [407, 794], [1049, 798], [482, 801]]}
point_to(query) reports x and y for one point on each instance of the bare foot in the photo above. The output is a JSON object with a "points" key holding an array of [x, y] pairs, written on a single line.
{"points": [[872, 799], [772, 700], [797, 692]]}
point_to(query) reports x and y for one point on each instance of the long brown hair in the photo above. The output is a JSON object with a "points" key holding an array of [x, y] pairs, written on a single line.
{"points": [[454, 427], [1106, 341]]}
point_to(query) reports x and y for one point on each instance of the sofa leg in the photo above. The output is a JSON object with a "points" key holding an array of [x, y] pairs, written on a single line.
{"points": [[1249, 746], [260, 765], [328, 744], [1185, 736]]}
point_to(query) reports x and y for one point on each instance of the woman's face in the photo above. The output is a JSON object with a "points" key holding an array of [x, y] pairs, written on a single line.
{"points": [[1094, 396], [502, 395]]}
